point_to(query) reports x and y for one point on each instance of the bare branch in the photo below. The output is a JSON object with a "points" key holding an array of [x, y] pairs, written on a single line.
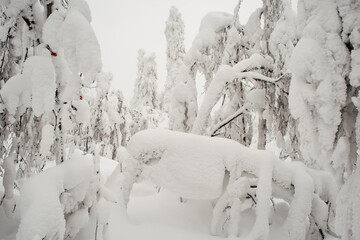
{"points": [[226, 121]]}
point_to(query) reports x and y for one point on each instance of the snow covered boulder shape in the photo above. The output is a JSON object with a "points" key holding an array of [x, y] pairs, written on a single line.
{"points": [[194, 167], [42, 215]]}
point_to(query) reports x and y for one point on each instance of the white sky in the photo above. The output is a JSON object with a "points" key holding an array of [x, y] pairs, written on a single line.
{"points": [[125, 26]]}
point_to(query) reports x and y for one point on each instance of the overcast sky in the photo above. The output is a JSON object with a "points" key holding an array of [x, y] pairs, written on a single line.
{"points": [[125, 26]]}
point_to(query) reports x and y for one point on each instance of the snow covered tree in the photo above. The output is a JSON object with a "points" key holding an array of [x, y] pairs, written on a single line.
{"points": [[238, 129], [175, 52], [139, 76], [144, 109], [319, 65], [42, 106], [204, 56], [145, 91]]}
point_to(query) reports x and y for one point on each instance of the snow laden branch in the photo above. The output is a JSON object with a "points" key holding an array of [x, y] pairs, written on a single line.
{"points": [[226, 121], [196, 167], [225, 76]]}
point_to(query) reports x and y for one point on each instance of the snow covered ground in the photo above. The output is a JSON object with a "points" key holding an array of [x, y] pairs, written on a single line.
{"points": [[160, 216], [156, 215]]}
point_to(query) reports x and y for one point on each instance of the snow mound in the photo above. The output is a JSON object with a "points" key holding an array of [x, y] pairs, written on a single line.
{"points": [[194, 166]]}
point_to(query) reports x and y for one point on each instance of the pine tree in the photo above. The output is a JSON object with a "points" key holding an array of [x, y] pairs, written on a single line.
{"points": [[145, 91], [175, 53]]}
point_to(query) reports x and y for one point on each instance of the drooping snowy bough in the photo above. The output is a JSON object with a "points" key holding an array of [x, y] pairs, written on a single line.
{"points": [[200, 167], [52, 200]]}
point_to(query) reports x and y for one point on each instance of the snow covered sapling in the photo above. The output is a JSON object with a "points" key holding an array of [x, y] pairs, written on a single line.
{"points": [[195, 167]]}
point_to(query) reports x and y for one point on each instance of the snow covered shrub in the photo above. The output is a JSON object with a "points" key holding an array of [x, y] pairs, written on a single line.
{"points": [[54, 203], [195, 167]]}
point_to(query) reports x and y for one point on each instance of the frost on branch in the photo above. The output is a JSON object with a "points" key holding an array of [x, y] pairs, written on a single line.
{"points": [[194, 167]]}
